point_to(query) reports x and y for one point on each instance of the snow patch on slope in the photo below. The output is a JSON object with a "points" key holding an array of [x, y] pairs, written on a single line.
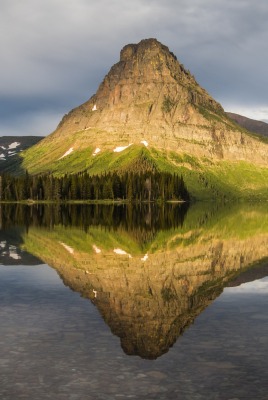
{"points": [[145, 257], [68, 248], [13, 145], [121, 148], [146, 144], [67, 152], [122, 252], [97, 150]]}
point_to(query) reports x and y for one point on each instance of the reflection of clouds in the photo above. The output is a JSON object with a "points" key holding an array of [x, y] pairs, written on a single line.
{"points": [[258, 286]]}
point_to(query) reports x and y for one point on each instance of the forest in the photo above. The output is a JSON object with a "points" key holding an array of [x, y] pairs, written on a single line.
{"points": [[132, 187]]}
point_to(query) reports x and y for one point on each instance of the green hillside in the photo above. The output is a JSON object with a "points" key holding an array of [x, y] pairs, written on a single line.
{"points": [[205, 179]]}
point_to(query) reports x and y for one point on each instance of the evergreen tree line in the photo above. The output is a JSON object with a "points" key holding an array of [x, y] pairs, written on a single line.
{"points": [[149, 186]]}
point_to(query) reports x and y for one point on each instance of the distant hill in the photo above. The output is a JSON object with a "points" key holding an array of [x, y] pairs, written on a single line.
{"points": [[10, 149], [251, 125]]}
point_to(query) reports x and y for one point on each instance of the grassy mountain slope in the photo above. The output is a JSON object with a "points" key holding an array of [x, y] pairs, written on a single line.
{"points": [[205, 179]]}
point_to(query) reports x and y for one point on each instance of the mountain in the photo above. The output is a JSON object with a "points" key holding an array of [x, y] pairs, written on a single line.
{"points": [[10, 149], [149, 110], [251, 125]]}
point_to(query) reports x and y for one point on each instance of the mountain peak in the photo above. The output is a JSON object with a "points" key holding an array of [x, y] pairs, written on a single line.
{"points": [[151, 59], [146, 47], [147, 90]]}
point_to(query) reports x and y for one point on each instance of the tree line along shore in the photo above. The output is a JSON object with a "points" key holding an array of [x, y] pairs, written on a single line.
{"points": [[128, 186]]}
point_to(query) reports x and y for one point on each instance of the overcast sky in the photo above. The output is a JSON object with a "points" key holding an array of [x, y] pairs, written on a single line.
{"points": [[55, 53]]}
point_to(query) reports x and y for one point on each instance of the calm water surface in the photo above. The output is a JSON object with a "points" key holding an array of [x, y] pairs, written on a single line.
{"points": [[161, 308]]}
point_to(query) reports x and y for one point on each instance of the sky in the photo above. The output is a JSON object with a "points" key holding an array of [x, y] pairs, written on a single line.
{"points": [[55, 53]]}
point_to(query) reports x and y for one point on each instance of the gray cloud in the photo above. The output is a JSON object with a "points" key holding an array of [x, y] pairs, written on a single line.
{"points": [[55, 53]]}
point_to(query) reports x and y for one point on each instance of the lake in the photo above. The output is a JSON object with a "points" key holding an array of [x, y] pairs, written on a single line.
{"points": [[144, 302]]}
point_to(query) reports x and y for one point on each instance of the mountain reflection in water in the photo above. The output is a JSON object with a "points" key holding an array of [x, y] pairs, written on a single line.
{"points": [[150, 270]]}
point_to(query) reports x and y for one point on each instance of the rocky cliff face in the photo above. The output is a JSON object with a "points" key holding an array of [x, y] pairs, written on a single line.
{"points": [[146, 92], [149, 98]]}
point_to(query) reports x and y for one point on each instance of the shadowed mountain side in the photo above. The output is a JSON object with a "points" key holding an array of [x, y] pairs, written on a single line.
{"points": [[10, 151], [251, 125], [148, 300]]}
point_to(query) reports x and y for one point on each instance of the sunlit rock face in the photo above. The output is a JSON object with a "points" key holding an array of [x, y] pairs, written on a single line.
{"points": [[149, 94], [149, 291], [148, 91]]}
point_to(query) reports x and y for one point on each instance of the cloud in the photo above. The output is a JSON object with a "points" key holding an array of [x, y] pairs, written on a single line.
{"points": [[36, 123], [59, 52]]}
